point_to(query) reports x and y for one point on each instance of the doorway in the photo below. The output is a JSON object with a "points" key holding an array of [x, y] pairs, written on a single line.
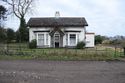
{"points": [[56, 44], [57, 39]]}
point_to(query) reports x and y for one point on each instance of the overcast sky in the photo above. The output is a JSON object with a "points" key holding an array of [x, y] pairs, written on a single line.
{"points": [[105, 17]]}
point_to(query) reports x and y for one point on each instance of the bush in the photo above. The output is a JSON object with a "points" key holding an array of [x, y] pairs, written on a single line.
{"points": [[32, 44], [80, 45], [123, 44]]}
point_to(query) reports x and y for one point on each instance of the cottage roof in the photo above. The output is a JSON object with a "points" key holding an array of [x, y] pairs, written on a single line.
{"points": [[55, 22]]}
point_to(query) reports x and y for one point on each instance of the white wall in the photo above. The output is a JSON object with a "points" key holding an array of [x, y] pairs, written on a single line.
{"points": [[90, 39], [31, 31], [81, 34], [32, 34]]}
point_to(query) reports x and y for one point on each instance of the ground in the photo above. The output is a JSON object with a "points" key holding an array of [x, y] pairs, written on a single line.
{"points": [[36, 71]]}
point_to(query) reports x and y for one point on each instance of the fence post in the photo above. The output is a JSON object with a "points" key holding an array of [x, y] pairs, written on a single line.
{"points": [[124, 51], [65, 51], [106, 51], [75, 51], [96, 50], [86, 52], [115, 52]]}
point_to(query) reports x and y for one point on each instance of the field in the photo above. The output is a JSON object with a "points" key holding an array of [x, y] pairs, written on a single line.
{"points": [[21, 51]]}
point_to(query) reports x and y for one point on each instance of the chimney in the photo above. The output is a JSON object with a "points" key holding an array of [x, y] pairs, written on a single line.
{"points": [[57, 14]]}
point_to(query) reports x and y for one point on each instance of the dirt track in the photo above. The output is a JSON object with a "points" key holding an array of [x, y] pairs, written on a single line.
{"points": [[34, 71]]}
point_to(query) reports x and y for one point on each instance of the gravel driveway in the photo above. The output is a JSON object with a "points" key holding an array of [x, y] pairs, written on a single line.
{"points": [[36, 71]]}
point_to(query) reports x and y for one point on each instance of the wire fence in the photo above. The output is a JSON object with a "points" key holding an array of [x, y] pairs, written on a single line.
{"points": [[22, 49]]}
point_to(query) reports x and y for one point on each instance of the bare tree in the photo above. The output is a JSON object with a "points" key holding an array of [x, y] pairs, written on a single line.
{"points": [[20, 8]]}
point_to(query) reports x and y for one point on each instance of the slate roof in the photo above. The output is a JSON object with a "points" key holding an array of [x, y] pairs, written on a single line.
{"points": [[57, 22]]}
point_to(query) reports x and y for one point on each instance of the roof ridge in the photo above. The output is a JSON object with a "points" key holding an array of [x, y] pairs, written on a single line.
{"points": [[54, 17]]}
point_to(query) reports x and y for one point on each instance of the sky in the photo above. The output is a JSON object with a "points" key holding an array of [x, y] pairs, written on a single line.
{"points": [[105, 17]]}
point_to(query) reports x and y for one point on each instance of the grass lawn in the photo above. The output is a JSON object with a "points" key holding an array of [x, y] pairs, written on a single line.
{"points": [[24, 53]]}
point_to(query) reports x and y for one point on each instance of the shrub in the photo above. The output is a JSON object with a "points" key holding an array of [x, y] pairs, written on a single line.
{"points": [[80, 45], [32, 44]]}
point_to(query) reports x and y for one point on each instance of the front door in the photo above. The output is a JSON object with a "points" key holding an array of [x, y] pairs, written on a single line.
{"points": [[57, 39]]}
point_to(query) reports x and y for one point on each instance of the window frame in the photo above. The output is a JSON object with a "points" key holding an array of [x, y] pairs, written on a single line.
{"points": [[41, 39], [72, 38]]}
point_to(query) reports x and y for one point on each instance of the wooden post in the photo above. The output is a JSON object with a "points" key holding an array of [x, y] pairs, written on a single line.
{"points": [[124, 51], [115, 51]]}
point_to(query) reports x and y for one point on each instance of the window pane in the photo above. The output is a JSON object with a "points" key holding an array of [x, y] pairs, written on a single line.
{"points": [[47, 39], [72, 39], [40, 36], [57, 36], [72, 35], [40, 39]]}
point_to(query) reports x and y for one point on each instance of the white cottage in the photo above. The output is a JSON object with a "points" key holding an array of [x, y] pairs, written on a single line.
{"points": [[59, 31]]}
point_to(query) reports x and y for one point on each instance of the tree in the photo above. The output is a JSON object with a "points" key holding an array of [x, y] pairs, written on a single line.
{"points": [[99, 39], [20, 8], [2, 35], [10, 35], [3, 11]]}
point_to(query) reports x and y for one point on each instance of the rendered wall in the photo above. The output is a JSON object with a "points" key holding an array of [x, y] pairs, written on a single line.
{"points": [[90, 39]]}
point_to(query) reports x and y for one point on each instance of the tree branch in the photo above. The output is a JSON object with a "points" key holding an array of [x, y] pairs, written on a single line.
{"points": [[28, 4], [19, 7], [13, 7]]}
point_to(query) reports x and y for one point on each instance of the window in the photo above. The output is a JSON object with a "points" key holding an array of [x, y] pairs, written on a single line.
{"points": [[47, 39], [57, 36], [40, 39], [72, 39]]}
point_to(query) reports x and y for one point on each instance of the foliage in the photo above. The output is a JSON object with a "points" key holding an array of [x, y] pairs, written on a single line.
{"points": [[106, 42], [6, 35], [23, 31], [32, 44], [115, 42], [2, 35], [10, 35], [3, 11], [80, 45], [14, 52], [20, 8], [17, 36], [99, 39], [123, 44]]}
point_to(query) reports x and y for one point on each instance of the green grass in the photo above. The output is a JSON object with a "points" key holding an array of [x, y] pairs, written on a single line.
{"points": [[24, 53], [58, 57]]}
